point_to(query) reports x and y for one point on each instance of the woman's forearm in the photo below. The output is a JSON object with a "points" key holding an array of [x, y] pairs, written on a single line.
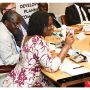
{"points": [[63, 52]]}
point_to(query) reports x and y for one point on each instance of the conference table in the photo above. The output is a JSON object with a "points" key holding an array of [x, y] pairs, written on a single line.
{"points": [[63, 79]]}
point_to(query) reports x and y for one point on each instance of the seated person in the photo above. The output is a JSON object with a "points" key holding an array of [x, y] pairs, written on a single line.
{"points": [[76, 14], [52, 21], [35, 53], [23, 24], [44, 7], [9, 52]]}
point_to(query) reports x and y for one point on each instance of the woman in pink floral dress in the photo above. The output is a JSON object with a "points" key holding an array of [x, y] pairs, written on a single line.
{"points": [[35, 54]]}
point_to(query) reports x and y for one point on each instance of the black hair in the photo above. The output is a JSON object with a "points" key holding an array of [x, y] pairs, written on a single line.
{"points": [[8, 15], [52, 15], [43, 7], [42, 4], [37, 22]]}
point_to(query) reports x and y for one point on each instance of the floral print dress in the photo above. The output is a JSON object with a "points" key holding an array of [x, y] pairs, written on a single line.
{"points": [[34, 54]]}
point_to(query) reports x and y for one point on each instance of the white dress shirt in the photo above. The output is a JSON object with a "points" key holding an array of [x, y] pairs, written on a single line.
{"points": [[23, 30], [8, 52]]}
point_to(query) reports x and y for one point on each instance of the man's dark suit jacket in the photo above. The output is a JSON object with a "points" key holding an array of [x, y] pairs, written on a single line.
{"points": [[72, 15], [19, 36]]}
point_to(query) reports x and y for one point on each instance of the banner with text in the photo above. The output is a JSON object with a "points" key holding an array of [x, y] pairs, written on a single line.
{"points": [[26, 9]]}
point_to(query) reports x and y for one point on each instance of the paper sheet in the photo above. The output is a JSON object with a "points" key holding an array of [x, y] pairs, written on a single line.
{"points": [[69, 68], [81, 36]]}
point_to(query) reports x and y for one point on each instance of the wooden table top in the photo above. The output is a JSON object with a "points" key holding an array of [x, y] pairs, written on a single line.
{"points": [[78, 44]]}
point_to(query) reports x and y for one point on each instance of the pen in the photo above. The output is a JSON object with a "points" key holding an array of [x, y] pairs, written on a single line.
{"points": [[53, 43], [78, 67]]}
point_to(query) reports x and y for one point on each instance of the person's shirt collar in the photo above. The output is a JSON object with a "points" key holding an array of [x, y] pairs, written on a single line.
{"points": [[5, 28]]}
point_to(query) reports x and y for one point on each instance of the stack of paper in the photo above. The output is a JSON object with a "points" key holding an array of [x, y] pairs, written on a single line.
{"points": [[73, 68], [81, 36]]}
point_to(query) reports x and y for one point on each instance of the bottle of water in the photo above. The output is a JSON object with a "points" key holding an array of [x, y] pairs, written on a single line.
{"points": [[63, 31]]}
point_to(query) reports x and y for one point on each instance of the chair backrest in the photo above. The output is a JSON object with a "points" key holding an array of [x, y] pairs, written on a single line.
{"points": [[6, 68], [63, 19]]}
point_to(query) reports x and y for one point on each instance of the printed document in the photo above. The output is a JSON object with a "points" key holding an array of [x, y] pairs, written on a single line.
{"points": [[72, 68]]}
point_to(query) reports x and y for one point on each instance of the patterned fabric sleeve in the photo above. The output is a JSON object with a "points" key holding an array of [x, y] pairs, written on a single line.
{"points": [[46, 60]]}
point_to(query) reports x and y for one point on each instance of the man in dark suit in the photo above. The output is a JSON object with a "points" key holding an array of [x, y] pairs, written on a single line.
{"points": [[75, 15]]}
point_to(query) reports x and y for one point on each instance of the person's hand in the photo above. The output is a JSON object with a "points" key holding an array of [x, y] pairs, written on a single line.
{"points": [[69, 39], [51, 27]]}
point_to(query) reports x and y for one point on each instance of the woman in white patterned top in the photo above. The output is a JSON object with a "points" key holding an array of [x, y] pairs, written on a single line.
{"points": [[35, 54]]}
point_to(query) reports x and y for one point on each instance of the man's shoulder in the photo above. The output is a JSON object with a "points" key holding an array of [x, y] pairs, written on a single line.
{"points": [[3, 33]]}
